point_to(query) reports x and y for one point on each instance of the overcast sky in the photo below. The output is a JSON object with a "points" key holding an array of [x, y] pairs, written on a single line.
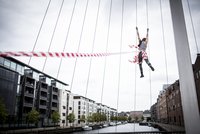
{"points": [[20, 21]]}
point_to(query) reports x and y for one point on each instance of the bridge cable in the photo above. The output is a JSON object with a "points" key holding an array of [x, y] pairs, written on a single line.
{"points": [[163, 34], [93, 44], [150, 82], [135, 67], [83, 24], [45, 14], [105, 61], [66, 39], [119, 72], [165, 54], [53, 33], [192, 22]]}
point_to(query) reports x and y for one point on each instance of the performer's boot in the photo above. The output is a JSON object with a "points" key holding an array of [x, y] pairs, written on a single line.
{"points": [[151, 67], [149, 64], [141, 70]]}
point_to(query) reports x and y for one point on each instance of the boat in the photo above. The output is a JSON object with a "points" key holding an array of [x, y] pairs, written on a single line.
{"points": [[86, 128]]}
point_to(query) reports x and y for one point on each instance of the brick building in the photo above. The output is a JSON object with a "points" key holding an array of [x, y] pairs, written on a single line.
{"points": [[174, 106], [162, 107]]}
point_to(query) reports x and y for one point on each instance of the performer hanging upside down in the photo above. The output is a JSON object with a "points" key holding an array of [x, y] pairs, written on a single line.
{"points": [[142, 46]]}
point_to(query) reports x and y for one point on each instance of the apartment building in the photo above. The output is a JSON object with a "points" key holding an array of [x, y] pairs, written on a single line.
{"points": [[24, 88], [82, 106], [65, 98]]}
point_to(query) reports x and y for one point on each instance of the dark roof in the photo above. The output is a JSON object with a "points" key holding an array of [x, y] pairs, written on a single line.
{"points": [[23, 64]]}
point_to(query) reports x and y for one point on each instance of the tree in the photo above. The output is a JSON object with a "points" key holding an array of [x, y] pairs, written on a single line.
{"points": [[142, 118], [55, 116], [82, 119], [90, 119], [71, 117], [3, 112], [33, 116], [129, 119], [136, 118]]}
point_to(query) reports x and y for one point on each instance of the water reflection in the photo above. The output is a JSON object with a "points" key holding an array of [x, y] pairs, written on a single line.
{"points": [[130, 127]]}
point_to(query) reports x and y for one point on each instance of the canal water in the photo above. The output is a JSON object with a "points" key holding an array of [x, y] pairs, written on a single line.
{"points": [[130, 127]]}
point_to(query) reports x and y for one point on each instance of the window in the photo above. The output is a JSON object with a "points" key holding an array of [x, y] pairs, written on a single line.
{"points": [[7, 63], [64, 107], [63, 114], [70, 108], [20, 69], [79, 103], [79, 107], [13, 66]]}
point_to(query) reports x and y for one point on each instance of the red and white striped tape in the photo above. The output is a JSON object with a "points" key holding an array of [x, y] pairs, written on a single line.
{"points": [[57, 54]]}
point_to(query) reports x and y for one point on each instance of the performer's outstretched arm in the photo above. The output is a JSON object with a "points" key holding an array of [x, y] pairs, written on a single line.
{"points": [[138, 35], [147, 36]]}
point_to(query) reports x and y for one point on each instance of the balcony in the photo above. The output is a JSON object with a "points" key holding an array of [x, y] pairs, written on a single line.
{"points": [[30, 82], [54, 108], [43, 95], [42, 107], [28, 101], [29, 92], [44, 86], [28, 104]]}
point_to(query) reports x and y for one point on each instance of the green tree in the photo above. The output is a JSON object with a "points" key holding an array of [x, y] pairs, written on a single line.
{"points": [[142, 118], [112, 118], [129, 119], [82, 119], [3, 112], [90, 119], [33, 116], [55, 116], [71, 117]]}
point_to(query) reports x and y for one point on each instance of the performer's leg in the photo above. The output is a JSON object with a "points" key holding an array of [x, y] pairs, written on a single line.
{"points": [[140, 64], [149, 64], [141, 71]]}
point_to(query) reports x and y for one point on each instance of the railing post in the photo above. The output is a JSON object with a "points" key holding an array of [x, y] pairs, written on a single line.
{"points": [[186, 76]]}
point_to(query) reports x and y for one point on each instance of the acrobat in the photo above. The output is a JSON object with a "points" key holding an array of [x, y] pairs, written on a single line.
{"points": [[142, 46]]}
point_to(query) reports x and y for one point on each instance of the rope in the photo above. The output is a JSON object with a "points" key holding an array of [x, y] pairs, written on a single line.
{"points": [[108, 34], [79, 44], [193, 26], [119, 73], [40, 29], [88, 78], [53, 34], [66, 39]]}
